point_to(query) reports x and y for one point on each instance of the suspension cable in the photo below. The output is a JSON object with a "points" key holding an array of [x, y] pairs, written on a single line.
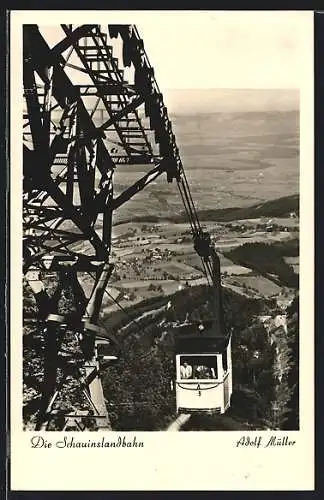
{"points": [[196, 228]]}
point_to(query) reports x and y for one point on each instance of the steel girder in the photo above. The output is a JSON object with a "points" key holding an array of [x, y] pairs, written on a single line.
{"points": [[68, 199]]}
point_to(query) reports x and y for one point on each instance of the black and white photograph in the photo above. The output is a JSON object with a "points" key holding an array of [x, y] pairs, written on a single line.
{"points": [[161, 209], [161, 243]]}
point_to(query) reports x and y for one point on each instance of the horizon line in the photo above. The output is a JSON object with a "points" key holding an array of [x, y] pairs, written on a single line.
{"points": [[296, 89]]}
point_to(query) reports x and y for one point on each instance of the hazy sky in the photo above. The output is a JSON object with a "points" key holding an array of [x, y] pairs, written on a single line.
{"points": [[227, 49], [230, 100], [214, 49]]}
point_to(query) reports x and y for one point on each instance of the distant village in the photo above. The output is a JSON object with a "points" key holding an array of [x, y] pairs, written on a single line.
{"points": [[159, 258]]}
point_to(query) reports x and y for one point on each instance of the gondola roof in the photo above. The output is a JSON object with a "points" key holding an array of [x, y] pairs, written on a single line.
{"points": [[199, 337]]}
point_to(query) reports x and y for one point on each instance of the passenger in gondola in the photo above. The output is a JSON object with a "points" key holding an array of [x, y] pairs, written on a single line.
{"points": [[202, 371], [186, 370]]}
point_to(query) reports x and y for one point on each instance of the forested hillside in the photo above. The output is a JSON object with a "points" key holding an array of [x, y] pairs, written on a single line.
{"points": [[138, 387], [268, 260]]}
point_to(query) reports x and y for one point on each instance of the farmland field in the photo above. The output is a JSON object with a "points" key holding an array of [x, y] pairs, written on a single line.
{"points": [[231, 160], [263, 286]]}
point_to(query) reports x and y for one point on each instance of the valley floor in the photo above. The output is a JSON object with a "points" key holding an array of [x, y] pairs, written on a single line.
{"points": [[159, 259]]}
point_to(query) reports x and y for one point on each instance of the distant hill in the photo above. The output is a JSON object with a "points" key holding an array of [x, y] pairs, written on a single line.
{"points": [[268, 260], [183, 101], [280, 207], [267, 115]]}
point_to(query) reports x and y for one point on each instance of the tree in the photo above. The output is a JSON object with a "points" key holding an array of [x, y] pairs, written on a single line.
{"points": [[292, 422], [138, 386], [266, 259]]}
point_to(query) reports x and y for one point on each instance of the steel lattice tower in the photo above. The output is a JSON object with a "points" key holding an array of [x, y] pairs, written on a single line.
{"points": [[68, 193]]}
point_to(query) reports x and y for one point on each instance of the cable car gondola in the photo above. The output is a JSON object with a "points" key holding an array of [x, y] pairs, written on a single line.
{"points": [[203, 351], [203, 369]]}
